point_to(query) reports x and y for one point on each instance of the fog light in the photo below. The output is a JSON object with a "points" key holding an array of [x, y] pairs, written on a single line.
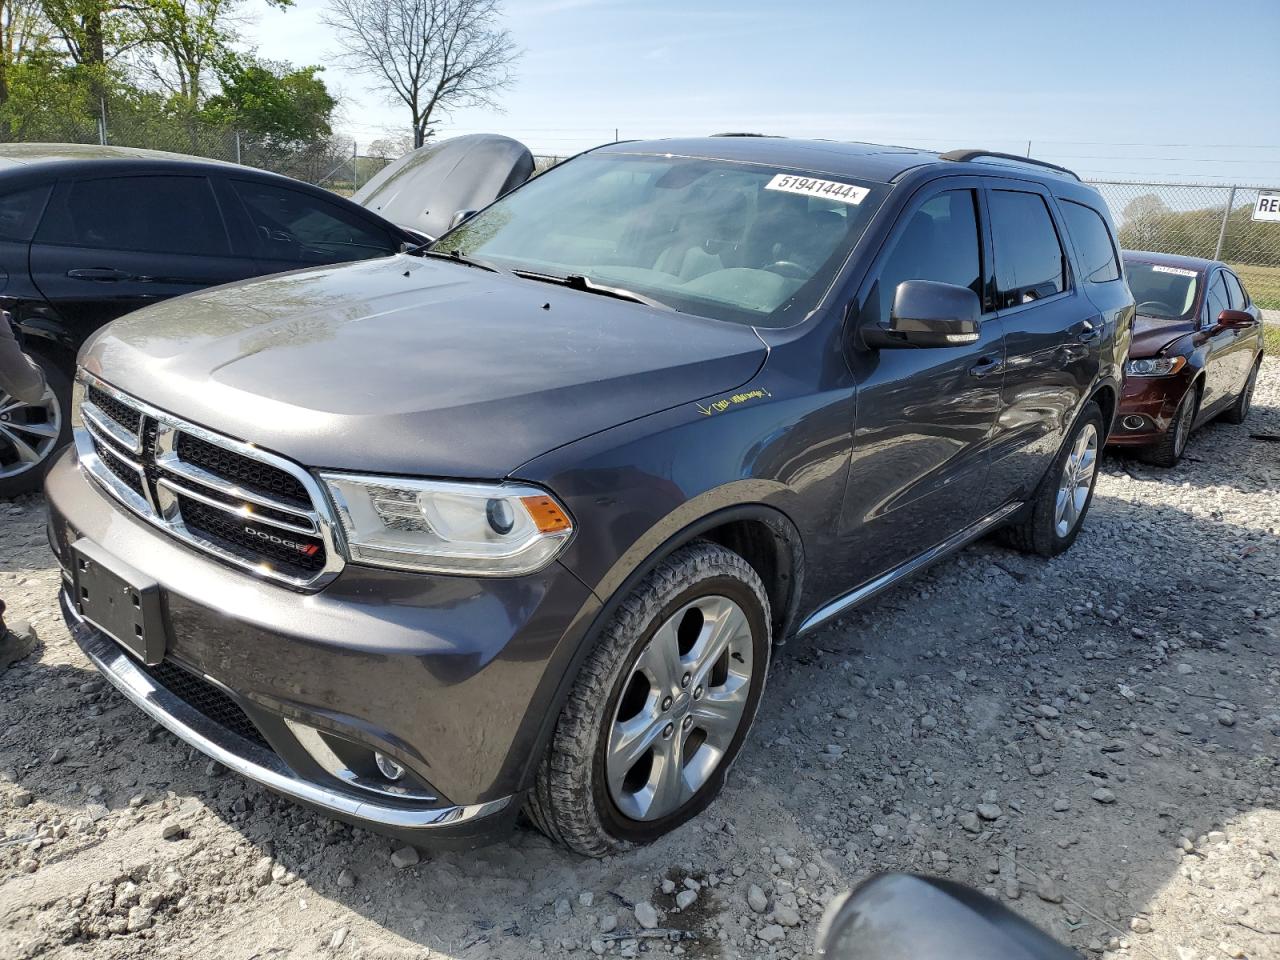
{"points": [[388, 767], [1133, 423]]}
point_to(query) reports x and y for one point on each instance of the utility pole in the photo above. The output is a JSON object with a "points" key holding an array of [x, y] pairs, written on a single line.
{"points": [[1222, 231]]}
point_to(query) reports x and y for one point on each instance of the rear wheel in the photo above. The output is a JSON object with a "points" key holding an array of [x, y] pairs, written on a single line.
{"points": [[31, 433], [1052, 520], [1237, 412], [660, 708], [1168, 450]]}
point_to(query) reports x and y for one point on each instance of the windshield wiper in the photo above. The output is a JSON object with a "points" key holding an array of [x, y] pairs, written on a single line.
{"points": [[457, 256], [576, 281]]}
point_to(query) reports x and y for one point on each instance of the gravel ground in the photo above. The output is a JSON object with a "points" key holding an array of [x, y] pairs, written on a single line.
{"points": [[1091, 739]]}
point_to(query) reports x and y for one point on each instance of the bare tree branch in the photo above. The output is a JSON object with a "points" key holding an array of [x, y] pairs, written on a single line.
{"points": [[435, 56]]}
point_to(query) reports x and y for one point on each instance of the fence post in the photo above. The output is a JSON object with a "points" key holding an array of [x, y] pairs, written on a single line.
{"points": [[102, 122], [237, 146], [1222, 231], [355, 165]]}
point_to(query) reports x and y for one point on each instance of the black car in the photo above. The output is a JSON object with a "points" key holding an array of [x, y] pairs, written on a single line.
{"points": [[89, 233], [425, 542]]}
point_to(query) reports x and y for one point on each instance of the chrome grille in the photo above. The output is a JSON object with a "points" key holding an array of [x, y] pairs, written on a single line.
{"points": [[245, 506]]}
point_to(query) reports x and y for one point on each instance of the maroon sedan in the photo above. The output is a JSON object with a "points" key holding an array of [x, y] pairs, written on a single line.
{"points": [[1195, 354]]}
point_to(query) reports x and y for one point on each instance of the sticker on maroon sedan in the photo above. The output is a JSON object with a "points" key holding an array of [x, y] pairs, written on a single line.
{"points": [[1179, 271]]}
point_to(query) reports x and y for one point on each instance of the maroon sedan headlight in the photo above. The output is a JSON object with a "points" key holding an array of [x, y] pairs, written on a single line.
{"points": [[1154, 366]]}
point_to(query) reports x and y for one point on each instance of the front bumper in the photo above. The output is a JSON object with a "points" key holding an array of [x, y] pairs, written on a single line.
{"points": [[452, 677], [1150, 403]]}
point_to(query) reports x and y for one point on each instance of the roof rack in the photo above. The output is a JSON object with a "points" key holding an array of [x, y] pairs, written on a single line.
{"points": [[768, 136], [963, 156]]}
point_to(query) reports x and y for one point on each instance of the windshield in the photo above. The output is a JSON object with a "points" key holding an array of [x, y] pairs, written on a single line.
{"points": [[1168, 293], [740, 242]]}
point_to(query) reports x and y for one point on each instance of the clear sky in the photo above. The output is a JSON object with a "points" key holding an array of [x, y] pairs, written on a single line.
{"points": [[1167, 89]]}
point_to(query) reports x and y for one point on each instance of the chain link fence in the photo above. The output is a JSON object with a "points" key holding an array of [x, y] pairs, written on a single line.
{"points": [[1200, 220]]}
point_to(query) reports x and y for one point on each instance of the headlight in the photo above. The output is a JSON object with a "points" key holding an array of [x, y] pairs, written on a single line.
{"points": [[487, 530], [1154, 366]]}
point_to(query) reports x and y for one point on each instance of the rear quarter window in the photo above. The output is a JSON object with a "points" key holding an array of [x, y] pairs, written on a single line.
{"points": [[1093, 241], [20, 212]]}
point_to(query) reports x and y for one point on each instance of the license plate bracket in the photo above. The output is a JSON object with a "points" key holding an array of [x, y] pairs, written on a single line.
{"points": [[122, 602]]}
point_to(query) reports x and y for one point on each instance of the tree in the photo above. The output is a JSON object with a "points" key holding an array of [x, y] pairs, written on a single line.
{"points": [[433, 55], [22, 31], [273, 101]]}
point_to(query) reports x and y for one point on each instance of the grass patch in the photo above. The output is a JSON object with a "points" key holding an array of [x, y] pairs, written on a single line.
{"points": [[1271, 339], [1263, 284]]}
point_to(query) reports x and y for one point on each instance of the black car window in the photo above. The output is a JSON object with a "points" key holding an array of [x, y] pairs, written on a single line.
{"points": [[1029, 261], [1093, 240], [160, 214], [19, 212], [1216, 299], [940, 243], [1235, 293], [292, 225]]}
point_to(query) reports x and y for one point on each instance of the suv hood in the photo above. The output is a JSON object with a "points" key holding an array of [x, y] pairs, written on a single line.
{"points": [[1152, 334], [426, 187], [415, 366]]}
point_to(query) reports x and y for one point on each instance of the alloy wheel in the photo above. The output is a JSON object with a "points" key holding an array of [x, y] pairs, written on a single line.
{"points": [[1182, 427], [28, 432], [680, 708], [1076, 481]]}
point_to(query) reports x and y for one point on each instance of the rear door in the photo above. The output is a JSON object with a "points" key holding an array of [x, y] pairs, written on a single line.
{"points": [[924, 415], [108, 245], [1052, 333]]}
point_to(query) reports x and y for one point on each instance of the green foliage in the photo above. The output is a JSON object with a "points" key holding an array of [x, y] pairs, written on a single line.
{"points": [[272, 101], [1150, 224]]}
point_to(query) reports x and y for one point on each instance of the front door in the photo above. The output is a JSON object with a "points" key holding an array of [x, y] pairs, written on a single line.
{"points": [[1051, 330], [924, 415], [109, 245], [1219, 373]]}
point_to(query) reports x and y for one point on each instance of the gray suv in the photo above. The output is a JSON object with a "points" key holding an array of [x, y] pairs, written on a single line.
{"points": [[514, 521]]}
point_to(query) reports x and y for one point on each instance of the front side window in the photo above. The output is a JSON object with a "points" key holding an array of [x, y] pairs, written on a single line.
{"points": [[1093, 240], [292, 225], [1216, 299], [176, 215], [742, 242], [1235, 293], [1030, 264], [1160, 291], [940, 242]]}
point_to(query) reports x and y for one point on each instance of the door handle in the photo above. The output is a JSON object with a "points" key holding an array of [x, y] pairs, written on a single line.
{"points": [[1089, 332], [99, 274], [986, 367]]}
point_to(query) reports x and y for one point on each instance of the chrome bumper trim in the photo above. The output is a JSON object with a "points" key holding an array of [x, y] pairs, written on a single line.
{"points": [[252, 762]]}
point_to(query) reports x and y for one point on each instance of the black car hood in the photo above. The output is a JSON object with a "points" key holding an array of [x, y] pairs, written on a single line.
{"points": [[426, 187], [414, 366]]}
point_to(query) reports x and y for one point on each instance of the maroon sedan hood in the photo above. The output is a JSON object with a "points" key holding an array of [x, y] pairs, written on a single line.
{"points": [[1151, 334]]}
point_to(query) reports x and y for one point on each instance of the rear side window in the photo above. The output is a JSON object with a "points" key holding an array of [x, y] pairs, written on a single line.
{"points": [[1029, 261], [176, 215], [1093, 240], [291, 225], [1235, 293], [1216, 299], [940, 243], [19, 212]]}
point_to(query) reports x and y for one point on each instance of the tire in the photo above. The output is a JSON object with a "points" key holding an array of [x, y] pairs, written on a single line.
{"points": [[24, 430], [1238, 411], [1039, 527], [580, 797], [1168, 450]]}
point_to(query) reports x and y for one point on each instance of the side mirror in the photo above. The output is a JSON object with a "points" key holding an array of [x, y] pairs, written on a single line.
{"points": [[461, 216], [927, 313], [902, 917], [1235, 319]]}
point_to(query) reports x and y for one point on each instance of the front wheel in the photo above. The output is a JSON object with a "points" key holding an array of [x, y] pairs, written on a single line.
{"points": [[1168, 450], [31, 433], [660, 708], [1052, 520]]}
